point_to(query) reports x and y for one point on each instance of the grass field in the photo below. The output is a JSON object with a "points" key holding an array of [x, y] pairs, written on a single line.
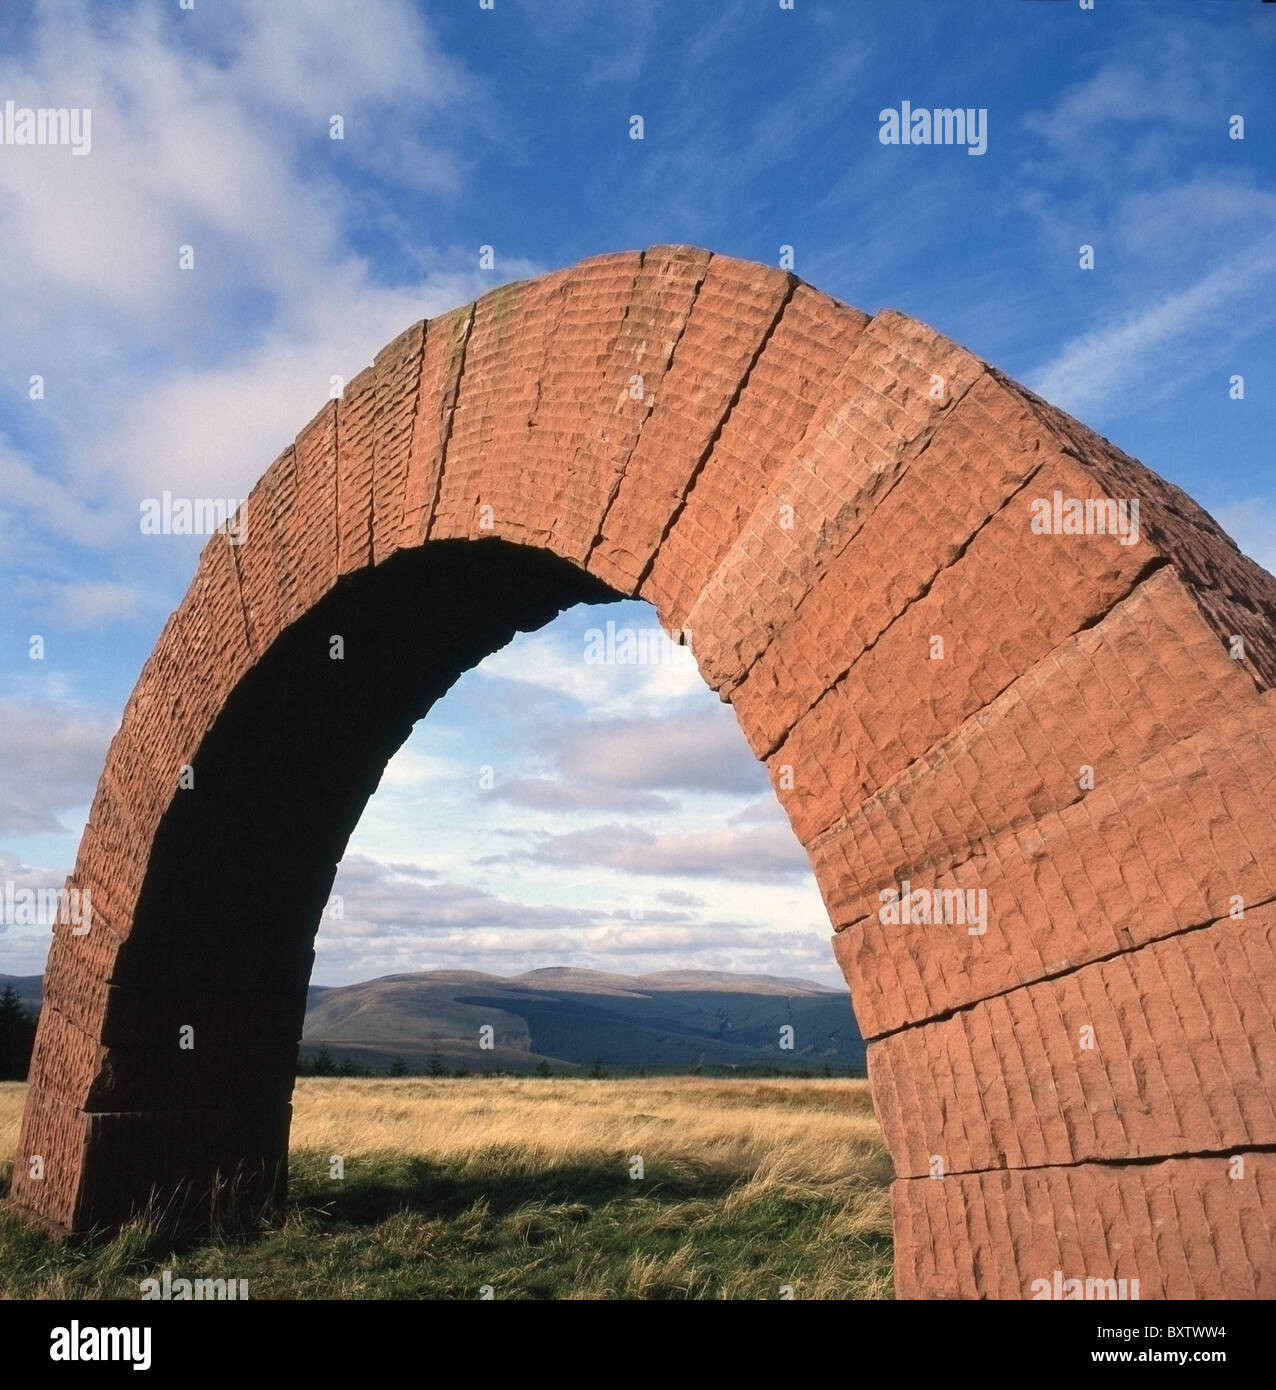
{"points": [[524, 1186]]}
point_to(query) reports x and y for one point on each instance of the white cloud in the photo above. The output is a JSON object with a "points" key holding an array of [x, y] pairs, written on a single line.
{"points": [[204, 146], [212, 431], [84, 604], [697, 748], [1120, 93], [1186, 220], [638, 763], [546, 794], [556, 661], [379, 897], [765, 852], [13, 869], [195, 380], [52, 755], [625, 949], [1169, 76], [1147, 346], [26, 492]]}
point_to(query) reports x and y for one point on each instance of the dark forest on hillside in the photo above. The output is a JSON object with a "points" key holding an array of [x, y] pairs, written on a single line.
{"points": [[17, 1034]]}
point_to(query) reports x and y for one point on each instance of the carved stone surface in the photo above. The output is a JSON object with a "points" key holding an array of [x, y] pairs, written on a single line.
{"points": [[1057, 742]]}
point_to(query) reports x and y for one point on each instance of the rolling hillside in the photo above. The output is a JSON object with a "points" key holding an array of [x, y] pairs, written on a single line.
{"points": [[671, 1020], [668, 1021]]}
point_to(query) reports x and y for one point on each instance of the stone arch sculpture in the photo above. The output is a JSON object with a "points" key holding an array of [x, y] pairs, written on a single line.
{"points": [[951, 689]]}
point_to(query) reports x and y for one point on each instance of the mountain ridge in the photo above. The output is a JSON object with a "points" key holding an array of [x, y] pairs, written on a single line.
{"points": [[569, 1018]]}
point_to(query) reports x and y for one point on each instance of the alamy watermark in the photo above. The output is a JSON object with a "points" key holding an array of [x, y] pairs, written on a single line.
{"points": [[189, 1290], [47, 125], [945, 125], [167, 515], [628, 646], [75, 1343], [1107, 1290], [1058, 515], [46, 907], [967, 907]]}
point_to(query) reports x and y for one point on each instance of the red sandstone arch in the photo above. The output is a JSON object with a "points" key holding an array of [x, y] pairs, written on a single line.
{"points": [[910, 467]]}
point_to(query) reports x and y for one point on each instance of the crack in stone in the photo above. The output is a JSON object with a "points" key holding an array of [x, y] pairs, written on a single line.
{"points": [[907, 608], [771, 630], [958, 1009], [239, 591], [1027, 819], [411, 450], [622, 470], [1157, 562], [676, 514], [451, 395], [1146, 1161]]}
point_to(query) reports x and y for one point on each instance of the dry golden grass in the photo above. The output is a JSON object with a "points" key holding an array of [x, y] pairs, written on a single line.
{"points": [[12, 1096], [803, 1131], [750, 1188]]}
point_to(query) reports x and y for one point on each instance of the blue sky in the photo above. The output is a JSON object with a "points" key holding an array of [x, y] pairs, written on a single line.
{"points": [[627, 827]]}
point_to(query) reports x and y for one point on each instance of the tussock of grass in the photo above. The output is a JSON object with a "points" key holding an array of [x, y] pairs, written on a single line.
{"points": [[524, 1186]]}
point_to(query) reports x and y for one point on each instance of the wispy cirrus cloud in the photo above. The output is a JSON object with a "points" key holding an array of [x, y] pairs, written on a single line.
{"points": [[1150, 346], [194, 380], [764, 853]]}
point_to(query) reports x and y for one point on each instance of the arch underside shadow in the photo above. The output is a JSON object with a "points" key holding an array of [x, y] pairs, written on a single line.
{"points": [[819, 496], [238, 876]]}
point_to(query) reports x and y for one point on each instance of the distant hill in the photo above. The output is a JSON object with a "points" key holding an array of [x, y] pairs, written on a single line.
{"points": [[672, 1020]]}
